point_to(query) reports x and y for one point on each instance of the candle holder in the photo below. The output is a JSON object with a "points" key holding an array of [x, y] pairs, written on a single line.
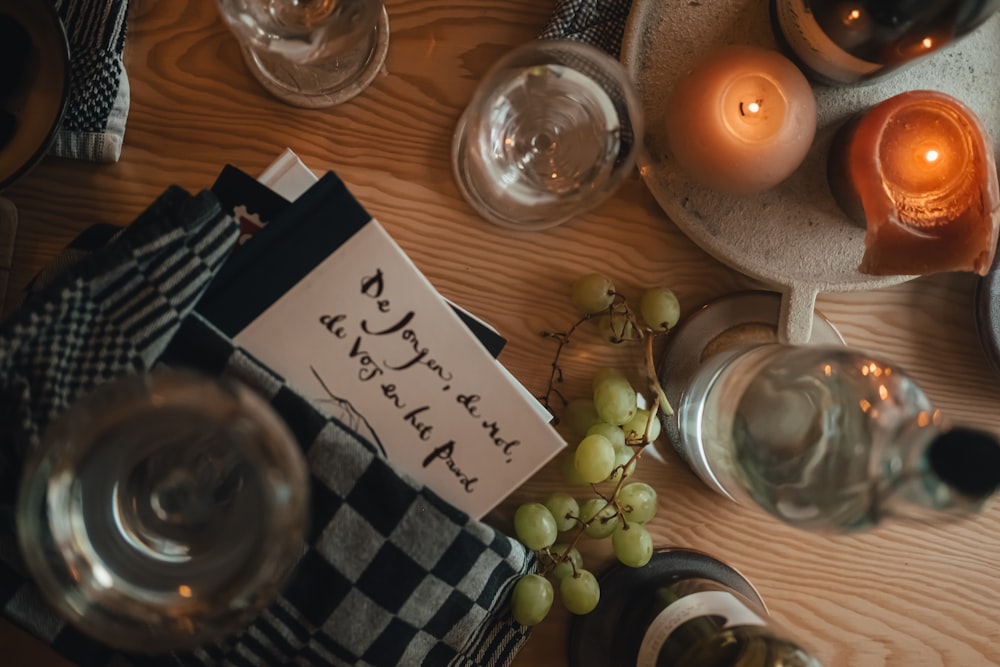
{"points": [[792, 238], [918, 172]]}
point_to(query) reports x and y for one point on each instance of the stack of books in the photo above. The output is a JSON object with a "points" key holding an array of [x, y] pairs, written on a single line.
{"points": [[319, 292]]}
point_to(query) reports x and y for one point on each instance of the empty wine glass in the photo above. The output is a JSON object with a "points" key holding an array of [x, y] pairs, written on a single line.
{"points": [[163, 510], [311, 53], [549, 134]]}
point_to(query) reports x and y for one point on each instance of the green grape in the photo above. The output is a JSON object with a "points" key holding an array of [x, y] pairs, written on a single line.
{"points": [[659, 308], [566, 567], [570, 473], [605, 375], [604, 515], [535, 526], [531, 599], [615, 400], [635, 428], [632, 544], [638, 501], [564, 508], [613, 433], [579, 415], [580, 593], [592, 293], [624, 463], [615, 327], [594, 458]]}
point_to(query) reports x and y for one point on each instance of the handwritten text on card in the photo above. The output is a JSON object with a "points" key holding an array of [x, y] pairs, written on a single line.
{"points": [[385, 355]]}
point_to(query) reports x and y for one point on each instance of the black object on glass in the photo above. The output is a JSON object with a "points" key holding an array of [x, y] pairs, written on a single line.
{"points": [[845, 42], [683, 608]]}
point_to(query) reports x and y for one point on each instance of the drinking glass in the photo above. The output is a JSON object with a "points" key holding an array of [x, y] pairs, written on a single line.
{"points": [[549, 134], [163, 510], [310, 53]]}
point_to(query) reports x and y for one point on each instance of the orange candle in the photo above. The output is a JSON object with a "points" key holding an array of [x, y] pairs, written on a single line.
{"points": [[918, 171], [741, 120]]}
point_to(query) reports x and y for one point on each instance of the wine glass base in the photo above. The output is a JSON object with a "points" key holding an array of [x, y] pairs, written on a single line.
{"points": [[301, 87], [459, 155], [593, 638], [742, 318]]}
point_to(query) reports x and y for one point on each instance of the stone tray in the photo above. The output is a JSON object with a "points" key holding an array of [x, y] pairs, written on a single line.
{"points": [[793, 238]]}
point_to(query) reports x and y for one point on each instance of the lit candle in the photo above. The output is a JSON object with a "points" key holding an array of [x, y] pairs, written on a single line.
{"points": [[918, 171], [742, 120]]}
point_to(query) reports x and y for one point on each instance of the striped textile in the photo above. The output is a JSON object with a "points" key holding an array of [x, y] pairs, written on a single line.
{"points": [[94, 125], [597, 22], [421, 583]]}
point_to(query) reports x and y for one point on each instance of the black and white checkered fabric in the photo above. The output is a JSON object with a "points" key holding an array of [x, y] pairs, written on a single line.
{"points": [[391, 574], [94, 125], [597, 22]]}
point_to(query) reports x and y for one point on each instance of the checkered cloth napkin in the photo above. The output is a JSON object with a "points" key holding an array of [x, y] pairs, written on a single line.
{"points": [[94, 125], [391, 574], [597, 22]]}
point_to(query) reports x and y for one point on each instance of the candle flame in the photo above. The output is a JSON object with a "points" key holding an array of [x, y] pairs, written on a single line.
{"points": [[852, 16], [932, 155], [751, 108], [927, 42]]}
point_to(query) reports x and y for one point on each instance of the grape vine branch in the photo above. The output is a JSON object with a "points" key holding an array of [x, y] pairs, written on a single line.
{"points": [[615, 426]]}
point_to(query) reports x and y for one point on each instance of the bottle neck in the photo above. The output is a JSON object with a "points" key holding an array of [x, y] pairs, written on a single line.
{"points": [[936, 474]]}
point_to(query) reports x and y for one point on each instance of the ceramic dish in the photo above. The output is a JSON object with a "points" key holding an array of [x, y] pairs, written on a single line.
{"points": [[793, 237], [37, 102]]}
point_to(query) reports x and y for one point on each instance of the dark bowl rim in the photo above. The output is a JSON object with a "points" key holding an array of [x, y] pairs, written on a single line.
{"points": [[49, 138]]}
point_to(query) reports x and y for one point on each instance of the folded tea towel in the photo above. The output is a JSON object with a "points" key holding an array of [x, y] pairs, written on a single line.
{"points": [[94, 125], [597, 22], [391, 574]]}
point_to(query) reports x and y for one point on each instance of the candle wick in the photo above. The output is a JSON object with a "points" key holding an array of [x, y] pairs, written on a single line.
{"points": [[751, 108]]}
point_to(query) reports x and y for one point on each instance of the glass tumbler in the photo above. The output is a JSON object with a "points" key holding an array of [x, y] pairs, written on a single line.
{"points": [[310, 53], [163, 510], [550, 133]]}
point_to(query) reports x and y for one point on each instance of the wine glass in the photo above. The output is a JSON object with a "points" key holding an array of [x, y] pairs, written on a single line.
{"points": [[549, 134], [163, 510], [310, 53]]}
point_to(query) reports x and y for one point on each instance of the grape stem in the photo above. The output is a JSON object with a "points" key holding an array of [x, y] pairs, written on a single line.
{"points": [[556, 374], [654, 383], [647, 335]]}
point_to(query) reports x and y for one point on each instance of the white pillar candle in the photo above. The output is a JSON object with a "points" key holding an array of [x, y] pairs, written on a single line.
{"points": [[741, 120]]}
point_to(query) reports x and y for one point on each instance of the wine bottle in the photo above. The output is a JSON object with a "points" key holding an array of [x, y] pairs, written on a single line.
{"points": [[684, 609], [845, 42], [829, 438]]}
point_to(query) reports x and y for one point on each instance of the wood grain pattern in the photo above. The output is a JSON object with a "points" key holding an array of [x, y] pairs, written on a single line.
{"points": [[899, 596]]}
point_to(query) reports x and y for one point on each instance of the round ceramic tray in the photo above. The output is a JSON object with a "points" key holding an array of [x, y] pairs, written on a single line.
{"points": [[793, 238]]}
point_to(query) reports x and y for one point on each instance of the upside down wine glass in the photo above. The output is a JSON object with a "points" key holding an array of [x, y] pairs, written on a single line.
{"points": [[310, 53], [163, 510], [550, 133]]}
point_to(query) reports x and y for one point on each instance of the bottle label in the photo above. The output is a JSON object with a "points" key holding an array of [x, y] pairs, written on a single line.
{"points": [[695, 605], [814, 48]]}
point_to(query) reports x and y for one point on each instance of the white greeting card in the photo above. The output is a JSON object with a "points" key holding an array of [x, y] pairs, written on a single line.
{"points": [[370, 341]]}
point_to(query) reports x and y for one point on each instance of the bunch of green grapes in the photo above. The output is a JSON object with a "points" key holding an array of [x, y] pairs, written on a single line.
{"points": [[594, 295], [620, 518], [613, 425]]}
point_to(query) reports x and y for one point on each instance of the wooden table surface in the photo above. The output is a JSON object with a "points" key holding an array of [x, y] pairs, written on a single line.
{"points": [[900, 595]]}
